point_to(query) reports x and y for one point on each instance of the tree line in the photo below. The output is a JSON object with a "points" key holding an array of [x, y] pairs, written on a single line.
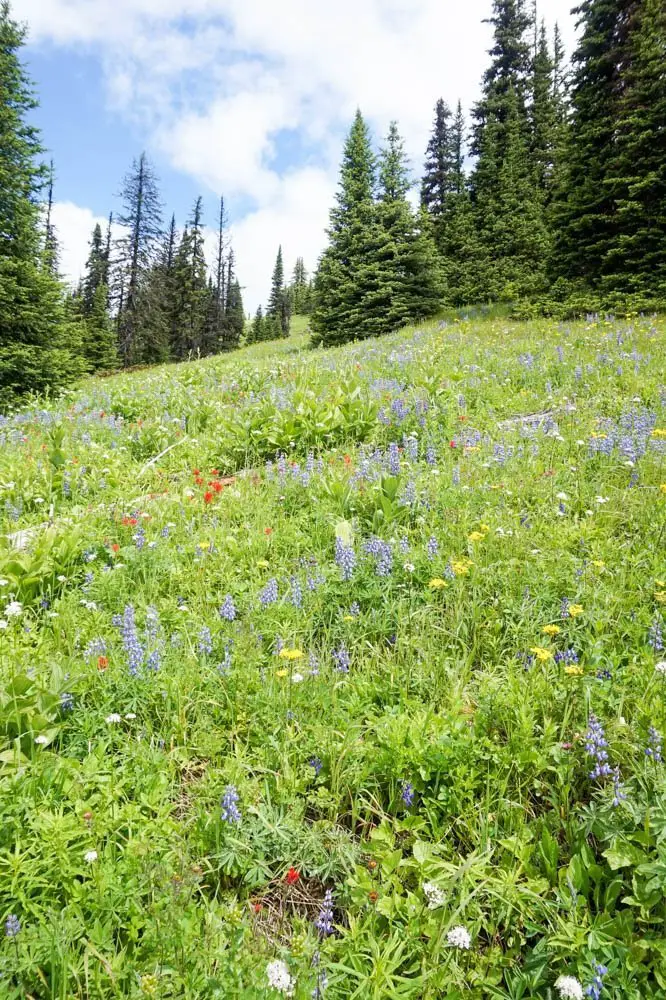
{"points": [[553, 200]]}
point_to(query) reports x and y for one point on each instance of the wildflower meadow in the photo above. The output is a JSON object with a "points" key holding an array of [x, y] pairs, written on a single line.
{"points": [[340, 673]]}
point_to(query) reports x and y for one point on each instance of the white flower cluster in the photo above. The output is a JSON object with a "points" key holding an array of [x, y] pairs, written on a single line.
{"points": [[279, 977], [459, 937], [569, 988], [434, 895], [661, 667]]}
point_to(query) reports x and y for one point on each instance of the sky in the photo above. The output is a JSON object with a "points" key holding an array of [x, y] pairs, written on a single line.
{"points": [[250, 99]]}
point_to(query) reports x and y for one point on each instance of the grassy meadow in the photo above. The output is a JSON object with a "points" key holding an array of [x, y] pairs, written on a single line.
{"points": [[340, 674]]}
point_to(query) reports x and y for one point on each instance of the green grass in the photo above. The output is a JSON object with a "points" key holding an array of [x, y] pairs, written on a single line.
{"points": [[451, 750]]}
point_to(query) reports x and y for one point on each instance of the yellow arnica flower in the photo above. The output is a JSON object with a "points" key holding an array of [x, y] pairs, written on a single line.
{"points": [[348, 618], [263, 564], [476, 536], [551, 629], [659, 433], [598, 563], [573, 671], [204, 545], [281, 673], [437, 583], [290, 654], [461, 567], [575, 610], [663, 488], [484, 528], [541, 654]]}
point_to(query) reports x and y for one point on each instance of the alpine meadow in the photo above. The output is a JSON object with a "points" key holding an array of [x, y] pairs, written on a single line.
{"points": [[332, 631]]}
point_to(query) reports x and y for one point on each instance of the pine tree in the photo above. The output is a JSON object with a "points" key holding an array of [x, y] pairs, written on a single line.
{"points": [[99, 339], [141, 221], [39, 347], [51, 252], [299, 290], [512, 236], [636, 170], [235, 317], [584, 209], [406, 268], [255, 334], [339, 289], [160, 302], [96, 267], [543, 114], [278, 313], [439, 177]]}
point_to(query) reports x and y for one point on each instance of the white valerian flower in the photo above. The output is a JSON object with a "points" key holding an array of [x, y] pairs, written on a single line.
{"points": [[14, 609], [131, 715], [409, 567], [459, 937], [569, 988], [3, 623], [62, 579], [90, 857], [601, 499], [561, 496], [279, 977], [3, 581], [661, 667], [296, 678], [434, 895], [113, 718], [41, 740]]}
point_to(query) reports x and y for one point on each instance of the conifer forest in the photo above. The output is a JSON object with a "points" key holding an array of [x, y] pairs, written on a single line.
{"points": [[332, 631]]}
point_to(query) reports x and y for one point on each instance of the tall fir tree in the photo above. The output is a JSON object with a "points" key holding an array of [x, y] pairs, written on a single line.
{"points": [[339, 289], [255, 333], [96, 268], [136, 248], [439, 175], [543, 114], [299, 290], [51, 250], [39, 347], [278, 313], [636, 170], [235, 316], [161, 302]]}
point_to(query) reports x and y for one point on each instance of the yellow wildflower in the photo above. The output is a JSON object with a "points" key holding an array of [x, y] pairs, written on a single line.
{"points": [[476, 536], [149, 985], [541, 654], [575, 610], [573, 671], [203, 546], [348, 618], [484, 528], [663, 487], [551, 629], [437, 583], [461, 566], [598, 563], [659, 433], [263, 564], [290, 654], [281, 673]]}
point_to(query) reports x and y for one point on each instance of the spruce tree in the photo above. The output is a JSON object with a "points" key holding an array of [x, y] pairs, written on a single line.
{"points": [[235, 317], [160, 303], [255, 333], [543, 114], [50, 236], [299, 290], [636, 170], [39, 347], [339, 290], [278, 313], [141, 222], [96, 268], [584, 206], [439, 176]]}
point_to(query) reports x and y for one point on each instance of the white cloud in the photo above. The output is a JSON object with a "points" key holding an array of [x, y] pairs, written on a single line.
{"points": [[217, 86], [74, 226]]}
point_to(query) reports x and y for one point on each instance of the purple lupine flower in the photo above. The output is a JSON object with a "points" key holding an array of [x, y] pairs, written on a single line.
{"points": [[382, 554], [655, 636], [596, 986], [296, 595], [431, 455], [566, 656], [355, 609], [228, 609], [655, 745], [345, 557], [407, 793], [342, 659], [455, 475], [131, 643], [97, 647], [313, 663], [596, 746], [403, 545], [564, 608], [269, 594], [316, 765], [12, 926], [66, 701], [139, 537], [394, 459], [205, 644], [619, 795], [230, 811], [411, 446], [324, 922], [432, 548], [408, 497]]}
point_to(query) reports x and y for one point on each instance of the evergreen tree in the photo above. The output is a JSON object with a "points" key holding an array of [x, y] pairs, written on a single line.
{"points": [[543, 114], [636, 170], [141, 221], [50, 237], [96, 268], [439, 177], [255, 334], [584, 209], [235, 317], [512, 236], [99, 338], [278, 312], [39, 347], [299, 290], [339, 289], [406, 268], [160, 303]]}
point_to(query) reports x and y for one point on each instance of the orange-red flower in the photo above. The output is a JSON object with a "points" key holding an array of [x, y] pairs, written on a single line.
{"points": [[102, 663], [292, 876], [208, 496]]}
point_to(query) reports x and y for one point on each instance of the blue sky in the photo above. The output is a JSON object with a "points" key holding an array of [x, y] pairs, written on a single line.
{"points": [[246, 98]]}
